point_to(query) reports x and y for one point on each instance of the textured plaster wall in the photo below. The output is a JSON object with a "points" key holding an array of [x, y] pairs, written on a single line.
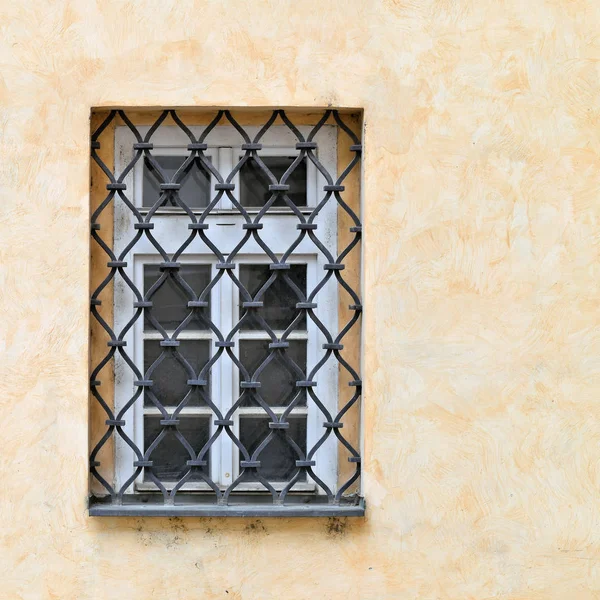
{"points": [[482, 294]]}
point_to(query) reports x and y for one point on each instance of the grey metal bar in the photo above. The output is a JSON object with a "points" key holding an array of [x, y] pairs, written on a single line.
{"points": [[238, 510]]}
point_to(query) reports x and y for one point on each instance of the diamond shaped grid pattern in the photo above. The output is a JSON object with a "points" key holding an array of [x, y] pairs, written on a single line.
{"points": [[170, 272]]}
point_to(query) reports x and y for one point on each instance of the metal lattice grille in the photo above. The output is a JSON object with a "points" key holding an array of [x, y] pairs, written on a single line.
{"points": [[262, 352]]}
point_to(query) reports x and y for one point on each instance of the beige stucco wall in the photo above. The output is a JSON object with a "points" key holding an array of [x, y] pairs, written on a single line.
{"points": [[482, 295]]}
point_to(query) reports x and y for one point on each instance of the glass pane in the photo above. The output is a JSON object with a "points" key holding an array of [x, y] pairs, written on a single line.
{"points": [[170, 377], [170, 456], [195, 185], [279, 300], [170, 301], [278, 381], [254, 183], [278, 459]]}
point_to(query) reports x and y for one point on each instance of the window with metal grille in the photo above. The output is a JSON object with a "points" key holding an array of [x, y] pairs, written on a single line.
{"points": [[222, 310]]}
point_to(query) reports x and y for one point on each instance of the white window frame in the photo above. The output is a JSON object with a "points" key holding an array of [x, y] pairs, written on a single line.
{"points": [[170, 230]]}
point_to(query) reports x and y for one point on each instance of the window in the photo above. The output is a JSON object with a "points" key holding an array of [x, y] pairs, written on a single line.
{"points": [[226, 342]]}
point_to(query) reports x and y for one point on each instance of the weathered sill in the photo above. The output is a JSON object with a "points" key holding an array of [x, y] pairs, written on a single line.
{"points": [[240, 506]]}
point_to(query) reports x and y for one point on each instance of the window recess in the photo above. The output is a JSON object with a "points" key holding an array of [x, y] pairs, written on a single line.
{"points": [[221, 310]]}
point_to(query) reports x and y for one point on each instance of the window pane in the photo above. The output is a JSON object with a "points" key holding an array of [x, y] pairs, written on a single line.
{"points": [[170, 300], [278, 459], [195, 185], [170, 377], [279, 300], [254, 183], [277, 379], [170, 456]]}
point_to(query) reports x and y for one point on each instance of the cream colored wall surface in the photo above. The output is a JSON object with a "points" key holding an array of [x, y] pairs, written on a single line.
{"points": [[481, 291]]}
